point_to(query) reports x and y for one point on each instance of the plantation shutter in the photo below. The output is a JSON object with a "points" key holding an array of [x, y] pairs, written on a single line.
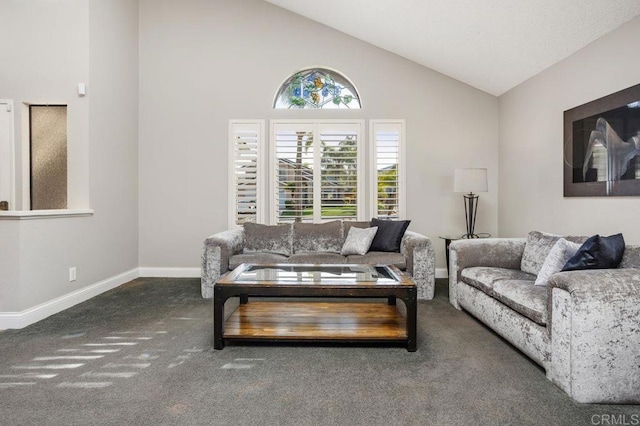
{"points": [[246, 162], [317, 169], [339, 166], [388, 170], [293, 168]]}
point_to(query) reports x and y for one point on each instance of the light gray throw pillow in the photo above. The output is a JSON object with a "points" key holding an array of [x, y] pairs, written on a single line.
{"points": [[560, 253], [358, 240]]}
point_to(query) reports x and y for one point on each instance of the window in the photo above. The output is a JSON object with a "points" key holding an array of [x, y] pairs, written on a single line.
{"points": [[318, 172], [317, 88], [387, 151], [315, 171], [48, 154], [246, 165]]}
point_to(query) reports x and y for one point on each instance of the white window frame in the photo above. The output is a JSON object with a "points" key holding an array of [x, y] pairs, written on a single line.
{"points": [[316, 126], [261, 199], [376, 125]]}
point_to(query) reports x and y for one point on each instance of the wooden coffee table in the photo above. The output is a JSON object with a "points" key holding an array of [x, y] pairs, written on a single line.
{"points": [[313, 321]]}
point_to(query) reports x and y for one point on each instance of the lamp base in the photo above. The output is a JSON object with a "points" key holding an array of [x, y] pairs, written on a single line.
{"points": [[470, 209]]}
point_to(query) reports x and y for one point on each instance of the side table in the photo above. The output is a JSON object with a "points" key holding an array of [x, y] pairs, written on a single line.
{"points": [[449, 238]]}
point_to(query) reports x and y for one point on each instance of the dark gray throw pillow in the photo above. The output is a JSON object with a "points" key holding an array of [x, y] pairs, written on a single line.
{"points": [[389, 235], [597, 253], [317, 237], [268, 238]]}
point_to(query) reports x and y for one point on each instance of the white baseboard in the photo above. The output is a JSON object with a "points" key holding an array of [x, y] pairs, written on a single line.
{"points": [[442, 273], [42, 311], [170, 272]]}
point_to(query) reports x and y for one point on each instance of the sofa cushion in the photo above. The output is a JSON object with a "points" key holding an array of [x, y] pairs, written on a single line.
{"points": [[523, 297], [236, 260], [631, 257], [537, 248], [317, 237], [317, 258], [484, 277], [389, 235], [276, 239], [348, 224], [380, 258], [358, 241], [597, 253]]}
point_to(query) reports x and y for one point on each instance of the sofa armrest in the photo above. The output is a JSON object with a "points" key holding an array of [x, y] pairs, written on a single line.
{"points": [[215, 257], [492, 252], [595, 334], [421, 262]]}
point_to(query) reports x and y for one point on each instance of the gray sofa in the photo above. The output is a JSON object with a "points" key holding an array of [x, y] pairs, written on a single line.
{"points": [[312, 244], [583, 328]]}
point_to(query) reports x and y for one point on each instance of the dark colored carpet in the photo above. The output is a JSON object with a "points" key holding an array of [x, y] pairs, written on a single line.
{"points": [[165, 372]]}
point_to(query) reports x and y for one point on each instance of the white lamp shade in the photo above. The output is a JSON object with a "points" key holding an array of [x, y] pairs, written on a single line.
{"points": [[470, 180]]}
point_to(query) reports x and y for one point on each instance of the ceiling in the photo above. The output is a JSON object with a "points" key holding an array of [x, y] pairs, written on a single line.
{"points": [[493, 45]]}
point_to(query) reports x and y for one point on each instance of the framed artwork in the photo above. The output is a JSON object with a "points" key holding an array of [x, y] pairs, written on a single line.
{"points": [[602, 146]]}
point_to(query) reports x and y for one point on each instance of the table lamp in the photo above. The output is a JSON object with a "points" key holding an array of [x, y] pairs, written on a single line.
{"points": [[469, 181]]}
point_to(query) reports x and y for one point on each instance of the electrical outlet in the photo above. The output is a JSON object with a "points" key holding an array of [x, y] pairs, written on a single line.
{"points": [[72, 274]]}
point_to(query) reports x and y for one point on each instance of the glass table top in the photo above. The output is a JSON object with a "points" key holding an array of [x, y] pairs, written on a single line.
{"points": [[307, 274]]}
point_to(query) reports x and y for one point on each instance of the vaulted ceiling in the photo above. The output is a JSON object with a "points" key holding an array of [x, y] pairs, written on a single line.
{"points": [[493, 45]]}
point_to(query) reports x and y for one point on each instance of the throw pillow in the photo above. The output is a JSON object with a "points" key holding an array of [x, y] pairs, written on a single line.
{"points": [[358, 240], [597, 253], [268, 238], [560, 253], [389, 235], [317, 237]]}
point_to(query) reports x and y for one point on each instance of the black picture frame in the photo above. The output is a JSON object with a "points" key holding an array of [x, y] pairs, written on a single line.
{"points": [[622, 111]]}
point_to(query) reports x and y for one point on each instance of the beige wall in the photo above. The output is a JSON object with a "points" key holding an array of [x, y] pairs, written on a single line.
{"points": [[203, 63], [52, 46], [531, 142]]}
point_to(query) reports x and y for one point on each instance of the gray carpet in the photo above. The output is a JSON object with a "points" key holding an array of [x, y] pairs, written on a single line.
{"points": [[142, 354]]}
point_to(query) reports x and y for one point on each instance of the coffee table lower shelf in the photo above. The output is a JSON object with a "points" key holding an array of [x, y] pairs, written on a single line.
{"points": [[316, 322]]}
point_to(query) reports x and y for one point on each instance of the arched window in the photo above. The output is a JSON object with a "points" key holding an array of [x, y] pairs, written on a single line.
{"points": [[317, 88]]}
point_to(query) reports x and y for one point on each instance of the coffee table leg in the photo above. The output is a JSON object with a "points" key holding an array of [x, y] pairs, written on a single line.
{"points": [[391, 300], [218, 317], [412, 317], [244, 298]]}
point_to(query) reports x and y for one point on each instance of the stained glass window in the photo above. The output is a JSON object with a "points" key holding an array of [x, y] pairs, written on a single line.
{"points": [[317, 88]]}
